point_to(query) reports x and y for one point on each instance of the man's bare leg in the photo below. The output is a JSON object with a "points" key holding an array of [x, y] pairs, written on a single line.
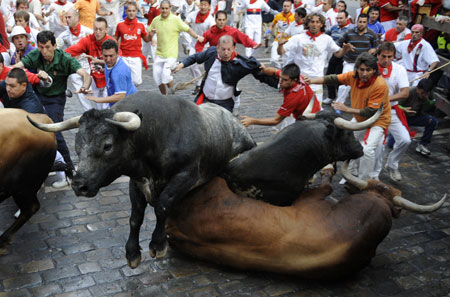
{"points": [[162, 89]]}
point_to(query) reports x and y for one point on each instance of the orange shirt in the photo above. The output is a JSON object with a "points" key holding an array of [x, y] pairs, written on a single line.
{"points": [[87, 10], [373, 96]]}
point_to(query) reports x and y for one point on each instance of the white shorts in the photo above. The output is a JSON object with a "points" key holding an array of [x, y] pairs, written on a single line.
{"points": [[162, 73], [135, 65]]}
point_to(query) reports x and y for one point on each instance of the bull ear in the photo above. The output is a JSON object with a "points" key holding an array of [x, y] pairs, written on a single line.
{"points": [[330, 132]]}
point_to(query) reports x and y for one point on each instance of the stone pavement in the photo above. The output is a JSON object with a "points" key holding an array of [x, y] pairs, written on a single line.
{"points": [[74, 246]]}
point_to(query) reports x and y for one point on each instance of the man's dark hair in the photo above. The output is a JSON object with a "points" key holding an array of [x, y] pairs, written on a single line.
{"points": [[386, 46], [18, 74], [343, 2], [403, 19], [102, 19], [44, 36], [221, 12], [24, 2], [288, 1], [209, 1], [425, 84], [22, 14], [291, 70], [109, 44], [344, 12], [363, 15], [374, 8], [368, 60], [301, 12], [309, 18]]}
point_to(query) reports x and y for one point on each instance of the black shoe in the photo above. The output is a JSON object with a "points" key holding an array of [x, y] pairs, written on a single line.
{"points": [[59, 166], [69, 171], [196, 90]]}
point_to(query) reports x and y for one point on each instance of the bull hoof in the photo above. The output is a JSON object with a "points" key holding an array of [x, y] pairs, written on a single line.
{"points": [[134, 263], [158, 253]]}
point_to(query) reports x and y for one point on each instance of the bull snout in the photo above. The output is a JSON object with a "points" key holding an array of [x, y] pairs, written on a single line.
{"points": [[83, 187]]}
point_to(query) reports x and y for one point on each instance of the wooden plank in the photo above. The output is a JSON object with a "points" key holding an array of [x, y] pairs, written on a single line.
{"points": [[430, 23], [443, 62], [442, 103]]}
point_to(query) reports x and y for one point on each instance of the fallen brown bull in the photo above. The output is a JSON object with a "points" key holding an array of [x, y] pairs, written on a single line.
{"points": [[313, 238]]}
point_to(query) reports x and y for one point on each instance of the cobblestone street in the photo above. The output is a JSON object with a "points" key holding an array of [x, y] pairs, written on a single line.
{"points": [[75, 246]]}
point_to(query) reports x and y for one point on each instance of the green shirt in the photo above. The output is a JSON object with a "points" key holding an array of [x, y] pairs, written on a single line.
{"points": [[59, 69], [168, 31]]}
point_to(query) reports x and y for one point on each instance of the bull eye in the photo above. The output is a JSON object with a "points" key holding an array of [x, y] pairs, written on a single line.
{"points": [[107, 147]]}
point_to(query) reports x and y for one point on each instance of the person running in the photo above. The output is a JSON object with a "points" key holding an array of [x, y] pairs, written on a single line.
{"points": [[167, 27], [129, 35]]}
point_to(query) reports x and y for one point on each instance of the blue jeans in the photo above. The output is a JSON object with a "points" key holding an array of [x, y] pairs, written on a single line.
{"points": [[54, 106], [429, 122]]}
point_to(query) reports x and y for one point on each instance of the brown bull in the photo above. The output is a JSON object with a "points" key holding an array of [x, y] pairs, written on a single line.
{"points": [[313, 238], [26, 157]]}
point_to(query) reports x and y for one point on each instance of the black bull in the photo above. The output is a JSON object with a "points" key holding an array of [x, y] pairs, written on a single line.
{"points": [[167, 146]]}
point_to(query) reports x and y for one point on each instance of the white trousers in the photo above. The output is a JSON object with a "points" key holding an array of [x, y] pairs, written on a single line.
{"points": [[344, 90], [274, 56], [162, 73], [402, 142], [255, 34], [367, 161], [135, 65], [75, 82], [194, 69], [414, 75], [318, 90]]}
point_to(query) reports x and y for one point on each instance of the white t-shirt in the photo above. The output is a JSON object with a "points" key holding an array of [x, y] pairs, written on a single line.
{"points": [[427, 55], [295, 29], [67, 39], [330, 18], [201, 27], [310, 55], [397, 80]]}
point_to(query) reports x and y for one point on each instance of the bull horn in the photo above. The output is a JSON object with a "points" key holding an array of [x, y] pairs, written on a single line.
{"points": [[307, 113], [57, 127], [126, 120], [357, 126], [357, 182], [417, 208]]}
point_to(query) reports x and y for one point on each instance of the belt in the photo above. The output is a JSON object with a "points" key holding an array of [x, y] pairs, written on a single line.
{"points": [[415, 71], [254, 11]]}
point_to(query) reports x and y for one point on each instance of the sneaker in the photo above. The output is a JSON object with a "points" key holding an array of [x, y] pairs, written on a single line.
{"points": [[327, 101], [423, 150], [60, 184], [395, 174]]}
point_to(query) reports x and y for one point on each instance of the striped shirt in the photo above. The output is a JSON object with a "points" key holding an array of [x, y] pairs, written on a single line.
{"points": [[336, 33], [362, 43]]}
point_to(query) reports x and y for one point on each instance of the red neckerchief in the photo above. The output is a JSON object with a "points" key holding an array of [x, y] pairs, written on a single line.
{"points": [[336, 10], [348, 22], [98, 44], [363, 85], [295, 7], [402, 117], [253, 1], [298, 24], [313, 37], [200, 18], [385, 72], [412, 45], [28, 30], [233, 55], [131, 23], [287, 16], [76, 30], [60, 3]]}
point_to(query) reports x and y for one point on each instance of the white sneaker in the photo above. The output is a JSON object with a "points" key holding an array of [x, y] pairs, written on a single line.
{"points": [[422, 150], [327, 101], [395, 174], [60, 184]]}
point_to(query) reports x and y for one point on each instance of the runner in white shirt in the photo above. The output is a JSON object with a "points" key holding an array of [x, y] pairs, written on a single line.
{"points": [[297, 26], [397, 81], [116, 6], [183, 11], [66, 39], [56, 13], [280, 24], [253, 20], [418, 56], [329, 14], [22, 5], [199, 21], [310, 50]]}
